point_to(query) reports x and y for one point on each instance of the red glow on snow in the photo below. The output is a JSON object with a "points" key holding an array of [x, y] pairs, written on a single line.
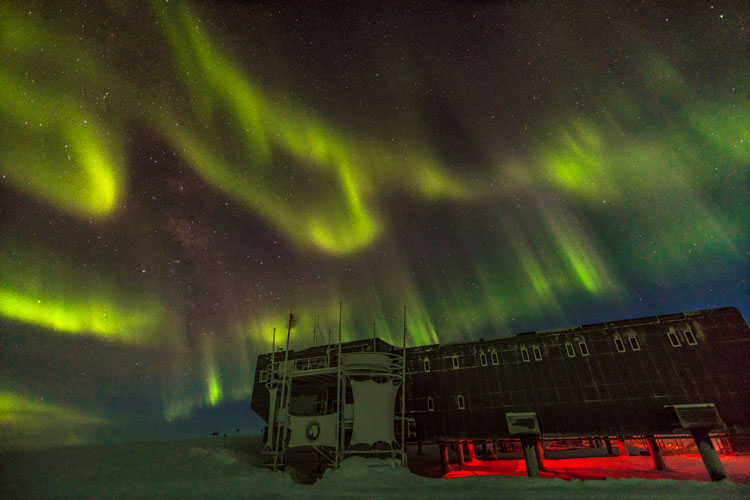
{"points": [[684, 467]]}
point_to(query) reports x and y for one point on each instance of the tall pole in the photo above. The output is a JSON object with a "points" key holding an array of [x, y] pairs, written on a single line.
{"points": [[272, 410], [403, 398], [315, 328], [273, 345], [283, 387], [340, 404], [374, 342]]}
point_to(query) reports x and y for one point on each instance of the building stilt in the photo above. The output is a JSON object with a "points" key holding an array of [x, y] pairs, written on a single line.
{"points": [[608, 444], [529, 454], [539, 450], [445, 465], [623, 446], [655, 452], [491, 450], [708, 454], [460, 452], [472, 453]]}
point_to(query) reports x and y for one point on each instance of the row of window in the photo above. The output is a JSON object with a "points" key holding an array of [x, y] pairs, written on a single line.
{"points": [[456, 364], [570, 350], [633, 341], [525, 353], [459, 403], [535, 350], [674, 339]]}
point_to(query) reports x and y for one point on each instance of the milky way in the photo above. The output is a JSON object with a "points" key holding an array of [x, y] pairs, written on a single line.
{"points": [[177, 177]]}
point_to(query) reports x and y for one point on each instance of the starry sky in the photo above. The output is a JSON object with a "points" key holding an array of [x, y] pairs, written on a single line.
{"points": [[176, 177]]}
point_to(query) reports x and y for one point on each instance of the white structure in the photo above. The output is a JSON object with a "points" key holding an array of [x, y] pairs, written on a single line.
{"points": [[308, 405]]}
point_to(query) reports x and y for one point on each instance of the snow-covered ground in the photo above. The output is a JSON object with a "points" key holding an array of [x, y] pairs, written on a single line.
{"points": [[228, 468]]}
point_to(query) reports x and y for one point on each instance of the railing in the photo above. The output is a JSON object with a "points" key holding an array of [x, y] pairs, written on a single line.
{"points": [[359, 363], [315, 363], [276, 369]]}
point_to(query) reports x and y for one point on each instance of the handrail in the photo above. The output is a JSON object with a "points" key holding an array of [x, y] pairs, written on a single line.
{"points": [[381, 362]]}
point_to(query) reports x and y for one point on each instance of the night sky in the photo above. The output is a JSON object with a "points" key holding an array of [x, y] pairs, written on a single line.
{"points": [[175, 177]]}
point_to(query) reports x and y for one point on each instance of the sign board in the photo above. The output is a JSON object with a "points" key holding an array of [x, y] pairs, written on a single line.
{"points": [[316, 430], [522, 423], [702, 416]]}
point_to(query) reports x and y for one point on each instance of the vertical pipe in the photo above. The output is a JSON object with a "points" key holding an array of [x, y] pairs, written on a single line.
{"points": [[273, 346], [315, 328], [403, 398], [340, 405], [283, 391], [272, 410]]}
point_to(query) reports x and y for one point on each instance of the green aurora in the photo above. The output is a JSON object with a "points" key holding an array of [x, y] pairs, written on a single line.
{"points": [[176, 178]]}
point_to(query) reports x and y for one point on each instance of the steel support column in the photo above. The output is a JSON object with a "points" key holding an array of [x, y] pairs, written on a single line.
{"points": [[708, 454], [528, 443], [655, 452]]}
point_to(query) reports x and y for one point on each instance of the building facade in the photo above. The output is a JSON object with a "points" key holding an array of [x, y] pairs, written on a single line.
{"points": [[607, 379], [603, 379]]}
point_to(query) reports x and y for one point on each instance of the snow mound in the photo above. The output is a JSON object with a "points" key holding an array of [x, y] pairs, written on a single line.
{"points": [[358, 468], [217, 457]]}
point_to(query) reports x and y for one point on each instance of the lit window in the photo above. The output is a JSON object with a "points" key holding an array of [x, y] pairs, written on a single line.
{"points": [[495, 359], [690, 337], [674, 339], [524, 354], [570, 350], [584, 348], [454, 360], [619, 344], [460, 402], [263, 376], [537, 353], [430, 404], [426, 364], [482, 359], [634, 344]]}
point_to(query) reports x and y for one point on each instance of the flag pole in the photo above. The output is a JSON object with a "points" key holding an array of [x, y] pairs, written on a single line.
{"points": [[403, 398], [315, 328], [340, 404], [283, 385], [272, 410]]}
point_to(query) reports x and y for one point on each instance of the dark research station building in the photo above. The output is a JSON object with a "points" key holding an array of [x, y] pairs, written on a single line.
{"points": [[677, 374]]}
